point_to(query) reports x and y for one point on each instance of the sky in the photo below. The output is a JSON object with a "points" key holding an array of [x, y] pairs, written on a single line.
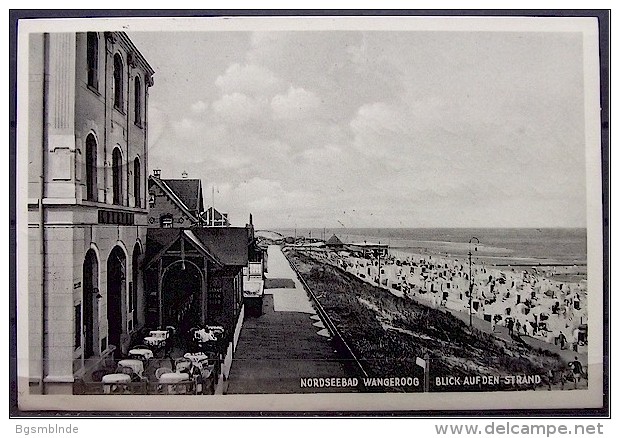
{"points": [[373, 129]]}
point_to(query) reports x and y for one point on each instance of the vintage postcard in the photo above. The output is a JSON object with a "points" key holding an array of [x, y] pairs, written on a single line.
{"points": [[310, 214]]}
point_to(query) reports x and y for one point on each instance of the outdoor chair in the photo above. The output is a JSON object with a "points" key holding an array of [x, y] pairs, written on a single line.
{"points": [[182, 365], [129, 371], [98, 374], [124, 370], [161, 371]]}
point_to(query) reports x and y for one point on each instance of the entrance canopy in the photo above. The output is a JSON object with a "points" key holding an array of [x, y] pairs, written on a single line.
{"points": [[193, 276]]}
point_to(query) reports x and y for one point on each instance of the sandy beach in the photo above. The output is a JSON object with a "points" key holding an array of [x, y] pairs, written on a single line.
{"points": [[548, 303]]}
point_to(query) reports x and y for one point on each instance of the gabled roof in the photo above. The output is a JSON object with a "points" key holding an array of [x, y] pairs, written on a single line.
{"points": [[334, 240], [229, 244], [224, 246], [189, 191], [160, 240], [172, 195]]}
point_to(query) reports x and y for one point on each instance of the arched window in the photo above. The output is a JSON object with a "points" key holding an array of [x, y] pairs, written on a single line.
{"points": [[118, 82], [137, 108], [117, 184], [136, 182], [92, 59], [91, 168]]}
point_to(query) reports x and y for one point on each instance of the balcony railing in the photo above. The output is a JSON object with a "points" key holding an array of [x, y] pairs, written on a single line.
{"points": [[191, 387]]}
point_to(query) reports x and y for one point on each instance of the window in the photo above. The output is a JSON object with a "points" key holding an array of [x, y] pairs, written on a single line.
{"points": [[137, 108], [136, 182], [166, 221], [91, 168], [77, 343], [92, 59], [118, 82], [116, 177]]}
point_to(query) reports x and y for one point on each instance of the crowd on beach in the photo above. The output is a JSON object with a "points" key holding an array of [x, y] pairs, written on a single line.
{"points": [[526, 300]]}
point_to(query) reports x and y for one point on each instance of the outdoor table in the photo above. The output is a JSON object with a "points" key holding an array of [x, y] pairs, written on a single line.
{"points": [[170, 379], [196, 358], [163, 334], [136, 365], [116, 378], [143, 352], [174, 377], [111, 381], [156, 338], [218, 329], [153, 341], [203, 335]]}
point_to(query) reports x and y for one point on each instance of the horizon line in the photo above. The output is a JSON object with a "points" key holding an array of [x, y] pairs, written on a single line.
{"points": [[426, 227]]}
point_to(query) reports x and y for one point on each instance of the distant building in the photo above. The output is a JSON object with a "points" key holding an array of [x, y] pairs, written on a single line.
{"points": [[368, 249], [87, 211], [213, 218], [334, 242]]}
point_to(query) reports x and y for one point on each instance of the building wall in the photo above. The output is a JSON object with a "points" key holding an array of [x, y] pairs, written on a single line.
{"points": [[93, 107], [63, 111], [35, 114], [66, 248]]}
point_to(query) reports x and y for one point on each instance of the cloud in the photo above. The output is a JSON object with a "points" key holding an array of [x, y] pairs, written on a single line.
{"points": [[377, 117], [238, 107], [158, 122], [199, 107], [186, 127], [324, 154], [297, 103], [381, 132], [396, 128], [250, 79]]}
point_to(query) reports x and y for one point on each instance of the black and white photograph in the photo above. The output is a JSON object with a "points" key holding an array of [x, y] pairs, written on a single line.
{"points": [[310, 213]]}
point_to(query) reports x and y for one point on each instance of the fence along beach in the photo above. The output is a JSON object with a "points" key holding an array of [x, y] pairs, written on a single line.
{"points": [[542, 294]]}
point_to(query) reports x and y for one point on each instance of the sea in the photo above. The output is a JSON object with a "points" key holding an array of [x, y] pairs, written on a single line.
{"points": [[501, 246]]}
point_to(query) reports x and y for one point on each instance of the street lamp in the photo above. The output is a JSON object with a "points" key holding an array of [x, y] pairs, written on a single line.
{"points": [[471, 283]]}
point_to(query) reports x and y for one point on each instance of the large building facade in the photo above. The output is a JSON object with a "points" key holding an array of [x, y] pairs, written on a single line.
{"points": [[87, 202]]}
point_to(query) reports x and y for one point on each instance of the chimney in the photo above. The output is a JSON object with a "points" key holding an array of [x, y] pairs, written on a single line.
{"points": [[184, 175], [157, 173]]}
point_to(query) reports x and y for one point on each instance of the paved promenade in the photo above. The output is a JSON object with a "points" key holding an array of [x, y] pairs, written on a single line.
{"points": [[286, 343]]}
